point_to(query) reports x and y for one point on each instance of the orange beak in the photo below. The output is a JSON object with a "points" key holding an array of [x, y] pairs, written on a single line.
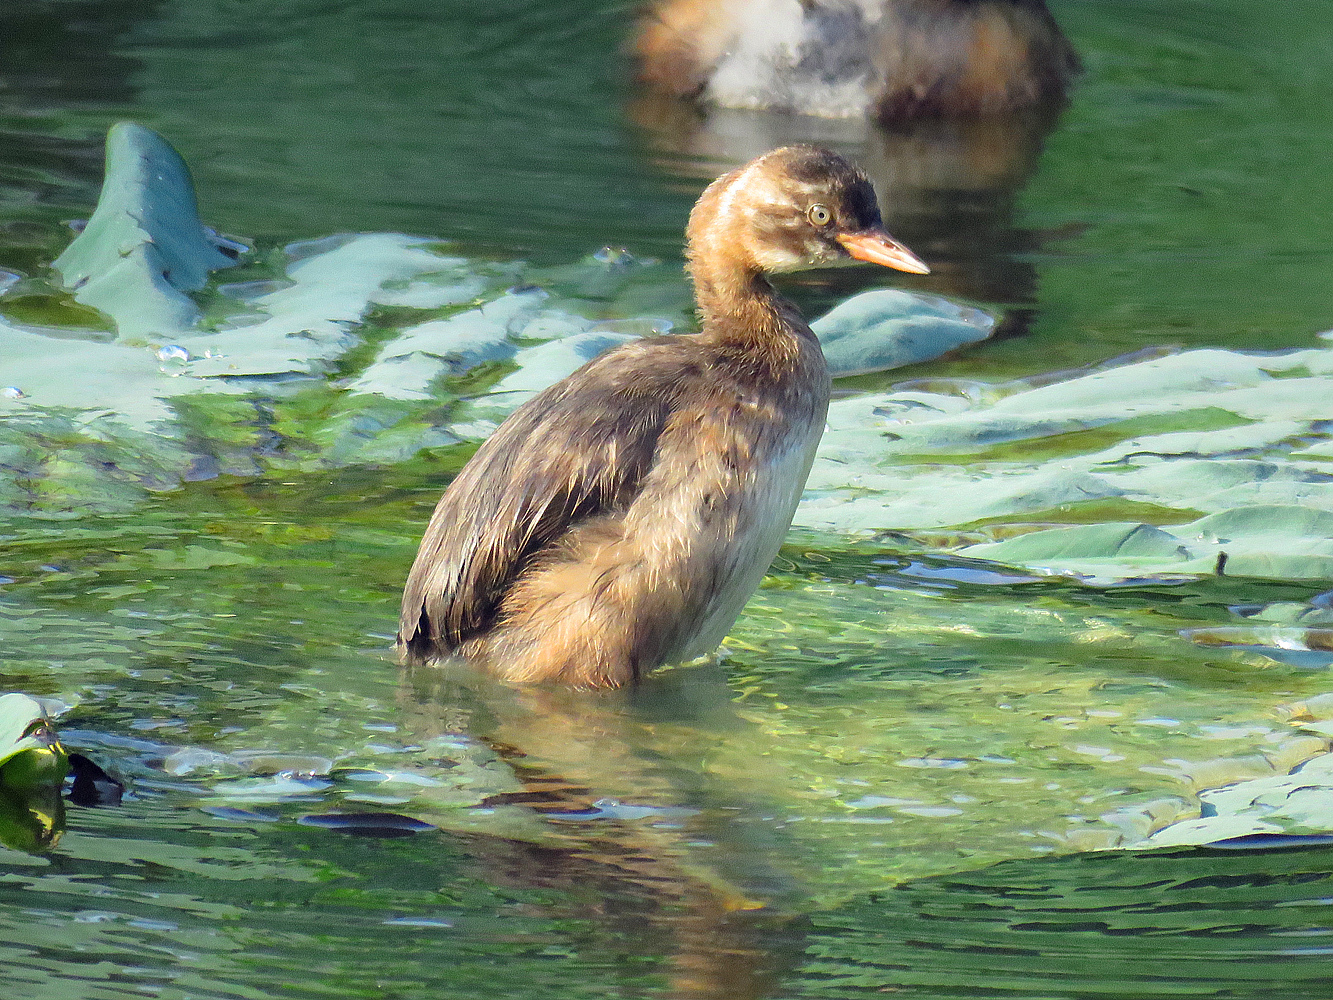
{"points": [[878, 247]]}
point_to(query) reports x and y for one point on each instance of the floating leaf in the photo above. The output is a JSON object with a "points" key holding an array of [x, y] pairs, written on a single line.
{"points": [[144, 246], [888, 328], [1197, 832], [30, 751]]}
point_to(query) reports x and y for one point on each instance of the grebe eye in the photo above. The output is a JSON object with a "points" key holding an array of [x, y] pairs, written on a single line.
{"points": [[820, 215]]}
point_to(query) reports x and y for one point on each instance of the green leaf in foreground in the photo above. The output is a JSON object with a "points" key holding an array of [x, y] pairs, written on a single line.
{"points": [[30, 750]]}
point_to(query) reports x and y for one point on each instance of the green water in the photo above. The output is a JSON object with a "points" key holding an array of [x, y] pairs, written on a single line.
{"points": [[899, 777], [866, 733]]}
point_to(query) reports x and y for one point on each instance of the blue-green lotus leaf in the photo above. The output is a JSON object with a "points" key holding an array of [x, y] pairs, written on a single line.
{"points": [[144, 246]]}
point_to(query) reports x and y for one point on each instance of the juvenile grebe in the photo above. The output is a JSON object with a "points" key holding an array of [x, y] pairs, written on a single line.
{"points": [[621, 519], [888, 59]]}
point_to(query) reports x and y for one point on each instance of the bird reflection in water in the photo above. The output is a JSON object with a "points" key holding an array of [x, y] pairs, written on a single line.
{"points": [[685, 879]]}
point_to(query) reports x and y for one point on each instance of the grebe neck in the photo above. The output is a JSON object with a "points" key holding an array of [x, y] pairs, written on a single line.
{"points": [[740, 308]]}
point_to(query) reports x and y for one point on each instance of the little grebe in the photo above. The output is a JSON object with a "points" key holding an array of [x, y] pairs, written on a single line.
{"points": [[620, 519], [888, 59]]}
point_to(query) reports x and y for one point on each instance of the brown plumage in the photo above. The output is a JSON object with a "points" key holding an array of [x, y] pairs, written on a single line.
{"points": [[621, 519], [889, 59]]}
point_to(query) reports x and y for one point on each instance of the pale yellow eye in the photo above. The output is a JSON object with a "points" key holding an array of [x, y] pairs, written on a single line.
{"points": [[820, 215]]}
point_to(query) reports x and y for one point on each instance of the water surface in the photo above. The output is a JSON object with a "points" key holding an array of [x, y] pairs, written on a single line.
{"points": [[906, 774]]}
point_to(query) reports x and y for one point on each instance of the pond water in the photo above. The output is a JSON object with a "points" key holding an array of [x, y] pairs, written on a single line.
{"points": [[910, 772]]}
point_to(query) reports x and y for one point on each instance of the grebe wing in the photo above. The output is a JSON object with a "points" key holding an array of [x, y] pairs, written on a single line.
{"points": [[578, 449]]}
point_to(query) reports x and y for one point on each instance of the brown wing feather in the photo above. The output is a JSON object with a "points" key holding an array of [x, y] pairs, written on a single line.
{"points": [[576, 450]]}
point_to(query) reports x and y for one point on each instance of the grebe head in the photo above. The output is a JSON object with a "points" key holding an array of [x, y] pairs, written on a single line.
{"points": [[796, 207]]}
